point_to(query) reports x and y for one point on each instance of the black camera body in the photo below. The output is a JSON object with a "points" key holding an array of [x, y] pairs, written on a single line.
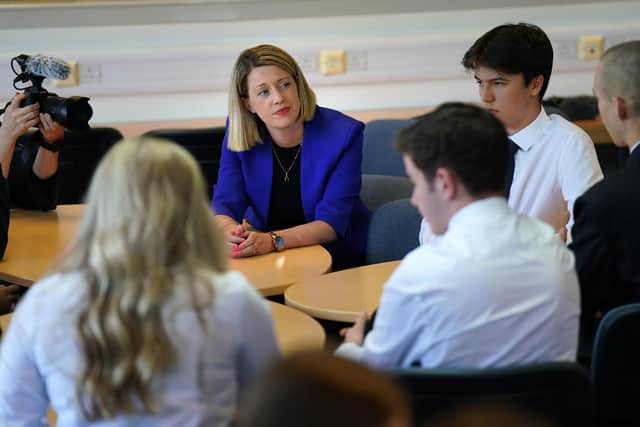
{"points": [[73, 113]]}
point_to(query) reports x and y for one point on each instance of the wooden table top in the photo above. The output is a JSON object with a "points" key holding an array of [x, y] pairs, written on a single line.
{"points": [[296, 330], [37, 238], [272, 273], [340, 296]]}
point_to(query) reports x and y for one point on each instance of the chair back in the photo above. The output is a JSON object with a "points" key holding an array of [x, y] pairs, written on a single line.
{"points": [[379, 156], [614, 366], [380, 189], [80, 154], [393, 231], [205, 144], [558, 391]]}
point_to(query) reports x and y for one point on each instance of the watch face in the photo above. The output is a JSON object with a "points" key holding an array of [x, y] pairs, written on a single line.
{"points": [[279, 242]]}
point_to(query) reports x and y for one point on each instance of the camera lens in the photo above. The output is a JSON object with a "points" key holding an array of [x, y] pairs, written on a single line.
{"points": [[73, 113]]}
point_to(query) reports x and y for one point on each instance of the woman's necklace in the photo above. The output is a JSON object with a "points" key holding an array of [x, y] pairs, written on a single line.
{"points": [[287, 170]]}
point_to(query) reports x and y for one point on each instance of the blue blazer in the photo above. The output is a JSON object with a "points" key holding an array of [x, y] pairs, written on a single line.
{"points": [[330, 175]]}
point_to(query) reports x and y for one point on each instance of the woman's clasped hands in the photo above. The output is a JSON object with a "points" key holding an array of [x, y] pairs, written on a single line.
{"points": [[246, 242]]}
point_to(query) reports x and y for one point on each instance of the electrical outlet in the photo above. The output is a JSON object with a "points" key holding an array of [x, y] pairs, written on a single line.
{"points": [[90, 73], [308, 63], [357, 60], [72, 80], [333, 62], [590, 47]]}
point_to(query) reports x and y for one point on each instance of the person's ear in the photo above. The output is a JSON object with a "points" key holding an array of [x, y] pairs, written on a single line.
{"points": [[247, 105], [535, 85], [446, 183], [621, 107]]}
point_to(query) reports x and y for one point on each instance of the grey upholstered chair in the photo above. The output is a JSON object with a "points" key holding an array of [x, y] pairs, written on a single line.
{"points": [[380, 189]]}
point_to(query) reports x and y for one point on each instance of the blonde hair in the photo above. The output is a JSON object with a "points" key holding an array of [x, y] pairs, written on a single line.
{"points": [[146, 226], [244, 127]]}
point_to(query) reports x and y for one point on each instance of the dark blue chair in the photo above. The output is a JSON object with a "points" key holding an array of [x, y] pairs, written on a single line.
{"points": [[379, 156], [559, 391], [393, 231], [615, 367]]}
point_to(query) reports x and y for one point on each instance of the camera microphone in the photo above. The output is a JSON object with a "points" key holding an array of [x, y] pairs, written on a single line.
{"points": [[73, 112], [47, 66]]}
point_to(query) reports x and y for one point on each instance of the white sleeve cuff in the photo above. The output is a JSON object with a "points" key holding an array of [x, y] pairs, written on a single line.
{"points": [[351, 351]]}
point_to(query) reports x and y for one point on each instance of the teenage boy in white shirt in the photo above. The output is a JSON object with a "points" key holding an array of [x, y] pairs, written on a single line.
{"points": [[555, 160]]}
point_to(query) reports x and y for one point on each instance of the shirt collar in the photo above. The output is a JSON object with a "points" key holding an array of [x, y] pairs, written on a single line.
{"points": [[634, 147], [532, 133], [490, 207]]}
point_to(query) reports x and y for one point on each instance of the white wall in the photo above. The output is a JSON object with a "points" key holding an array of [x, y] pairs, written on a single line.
{"points": [[180, 71]]}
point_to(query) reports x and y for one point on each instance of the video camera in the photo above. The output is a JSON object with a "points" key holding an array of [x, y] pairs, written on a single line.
{"points": [[73, 113]]}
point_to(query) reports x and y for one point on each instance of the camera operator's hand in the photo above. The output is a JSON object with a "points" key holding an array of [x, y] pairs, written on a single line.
{"points": [[46, 162], [17, 120], [51, 131]]}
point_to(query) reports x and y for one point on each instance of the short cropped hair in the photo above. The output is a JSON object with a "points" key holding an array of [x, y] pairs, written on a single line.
{"points": [[463, 138], [514, 49], [245, 128], [317, 389], [620, 74]]}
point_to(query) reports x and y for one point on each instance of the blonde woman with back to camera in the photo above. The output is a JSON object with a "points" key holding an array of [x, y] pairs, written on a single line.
{"points": [[139, 323]]}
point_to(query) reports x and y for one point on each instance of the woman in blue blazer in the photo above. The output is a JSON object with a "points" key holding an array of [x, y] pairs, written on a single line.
{"points": [[290, 168]]}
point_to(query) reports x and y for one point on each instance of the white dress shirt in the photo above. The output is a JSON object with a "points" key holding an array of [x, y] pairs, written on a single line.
{"points": [[555, 165], [498, 289], [41, 359]]}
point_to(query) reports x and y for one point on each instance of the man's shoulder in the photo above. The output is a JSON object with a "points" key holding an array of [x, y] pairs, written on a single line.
{"points": [[615, 190]]}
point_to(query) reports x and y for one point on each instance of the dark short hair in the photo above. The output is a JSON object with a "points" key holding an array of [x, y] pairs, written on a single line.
{"points": [[463, 138], [317, 389], [514, 49]]}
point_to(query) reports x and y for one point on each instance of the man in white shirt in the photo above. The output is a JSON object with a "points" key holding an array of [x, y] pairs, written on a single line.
{"points": [[607, 232], [555, 160], [499, 289]]}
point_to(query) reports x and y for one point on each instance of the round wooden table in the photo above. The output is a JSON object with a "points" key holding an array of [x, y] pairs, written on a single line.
{"points": [[340, 296], [37, 238], [272, 273]]}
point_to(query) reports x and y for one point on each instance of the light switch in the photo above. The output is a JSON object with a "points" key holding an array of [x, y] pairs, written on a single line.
{"points": [[333, 62]]}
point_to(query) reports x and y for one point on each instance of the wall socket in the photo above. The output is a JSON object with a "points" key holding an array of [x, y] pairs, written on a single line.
{"points": [[308, 62], [90, 73], [356, 60], [590, 47]]}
